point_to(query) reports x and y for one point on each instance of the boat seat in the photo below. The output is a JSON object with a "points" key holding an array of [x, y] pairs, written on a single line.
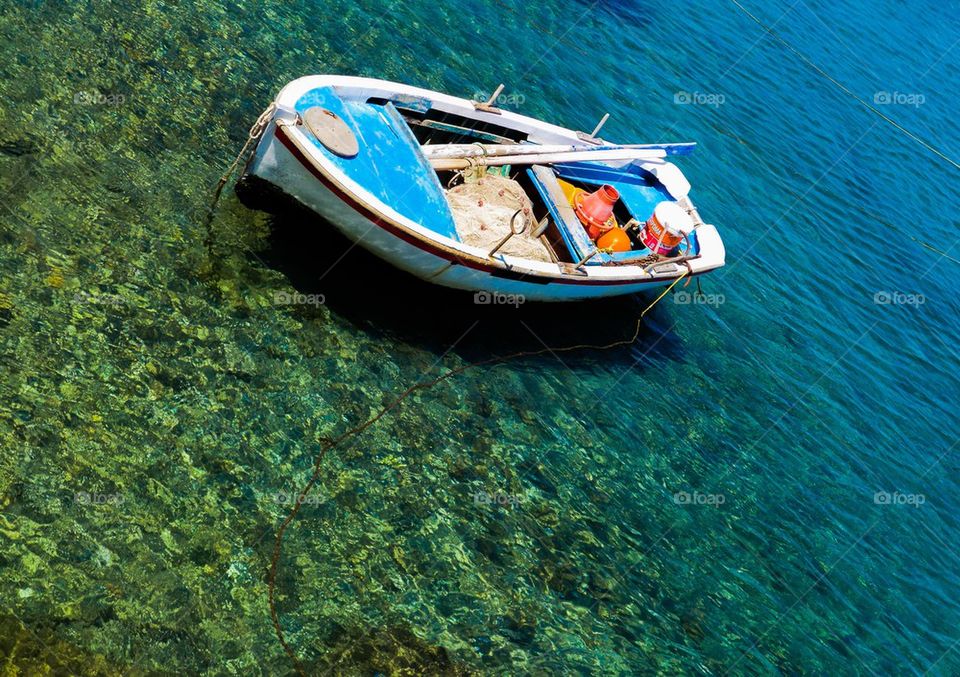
{"points": [[573, 233]]}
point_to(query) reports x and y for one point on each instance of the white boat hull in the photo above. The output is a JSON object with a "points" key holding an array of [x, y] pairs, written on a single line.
{"points": [[284, 159]]}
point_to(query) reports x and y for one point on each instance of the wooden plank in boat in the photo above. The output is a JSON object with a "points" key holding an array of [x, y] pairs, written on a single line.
{"points": [[457, 129], [566, 219]]}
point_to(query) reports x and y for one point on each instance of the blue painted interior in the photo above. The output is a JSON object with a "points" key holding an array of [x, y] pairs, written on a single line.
{"points": [[389, 164], [639, 190], [418, 104]]}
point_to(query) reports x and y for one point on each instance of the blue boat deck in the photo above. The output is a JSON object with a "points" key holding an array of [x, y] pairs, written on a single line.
{"points": [[389, 163]]}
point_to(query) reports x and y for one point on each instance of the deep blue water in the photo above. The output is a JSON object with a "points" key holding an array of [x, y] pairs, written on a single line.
{"points": [[763, 485]]}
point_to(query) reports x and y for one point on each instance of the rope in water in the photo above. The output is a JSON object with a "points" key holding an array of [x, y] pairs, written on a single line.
{"points": [[873, 109], [425, 385], [256, 131]]}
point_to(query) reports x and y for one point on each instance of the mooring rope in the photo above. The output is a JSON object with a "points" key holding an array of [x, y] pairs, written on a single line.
{"points": [[256, 131], [356, 430], [845, 89]]}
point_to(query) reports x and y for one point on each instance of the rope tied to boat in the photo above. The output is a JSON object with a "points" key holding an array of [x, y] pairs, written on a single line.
{"points": [[256, 131]]}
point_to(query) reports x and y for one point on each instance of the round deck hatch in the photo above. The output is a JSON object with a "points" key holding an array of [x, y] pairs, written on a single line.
{"points": [[331, 131]]}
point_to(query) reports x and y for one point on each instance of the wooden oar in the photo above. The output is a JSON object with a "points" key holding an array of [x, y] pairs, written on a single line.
{"points": [[465, 150], [441, 163]]}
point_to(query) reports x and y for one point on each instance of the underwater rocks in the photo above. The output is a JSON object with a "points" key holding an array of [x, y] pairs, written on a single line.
{"points": [[394, 651], [17, 147], [39, 650]]}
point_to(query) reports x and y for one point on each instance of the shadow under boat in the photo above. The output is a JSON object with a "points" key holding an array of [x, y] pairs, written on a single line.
{"points": [[377, 297]]}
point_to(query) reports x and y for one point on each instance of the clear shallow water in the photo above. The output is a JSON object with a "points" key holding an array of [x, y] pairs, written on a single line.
{"points": [[158, 406]]}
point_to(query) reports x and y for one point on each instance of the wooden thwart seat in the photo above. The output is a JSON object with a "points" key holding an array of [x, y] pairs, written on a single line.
{"points": [[574, 236]]}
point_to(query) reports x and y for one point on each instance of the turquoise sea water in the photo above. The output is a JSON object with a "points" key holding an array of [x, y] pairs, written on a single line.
{"points": [[766, 484]]}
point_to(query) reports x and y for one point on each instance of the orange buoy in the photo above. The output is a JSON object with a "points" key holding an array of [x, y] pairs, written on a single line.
{"points": [[595, 210], [615, 239]]}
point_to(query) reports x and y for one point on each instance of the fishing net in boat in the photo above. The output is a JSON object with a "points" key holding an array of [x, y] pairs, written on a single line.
{"points": [[483, 209]]}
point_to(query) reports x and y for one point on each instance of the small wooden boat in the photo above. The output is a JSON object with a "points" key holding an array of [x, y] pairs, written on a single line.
{"points": [[466, 195]]}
